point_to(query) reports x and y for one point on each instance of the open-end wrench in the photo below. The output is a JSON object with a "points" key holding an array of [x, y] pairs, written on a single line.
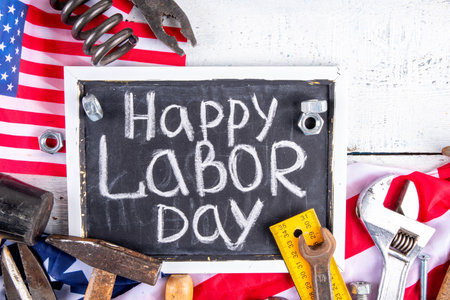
{"points": [[400, 239], [319, 257]]}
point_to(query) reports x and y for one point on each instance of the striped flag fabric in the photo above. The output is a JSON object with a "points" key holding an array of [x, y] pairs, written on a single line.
{"points": [[34, 47]]}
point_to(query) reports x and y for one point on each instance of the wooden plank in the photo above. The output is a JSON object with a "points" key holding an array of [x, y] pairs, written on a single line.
{"points": [[422, 163], [395, 53]]}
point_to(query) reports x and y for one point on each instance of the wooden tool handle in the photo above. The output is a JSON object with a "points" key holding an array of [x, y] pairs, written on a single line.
{"points": [[179, 287], [100, 285], [444, 292]]}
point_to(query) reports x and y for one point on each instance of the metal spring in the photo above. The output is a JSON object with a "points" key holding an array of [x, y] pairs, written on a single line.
{"points": [[403, 242], [104, 53]]}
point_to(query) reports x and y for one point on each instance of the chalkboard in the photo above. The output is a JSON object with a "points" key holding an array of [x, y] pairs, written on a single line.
{"points": [[199, 169]]}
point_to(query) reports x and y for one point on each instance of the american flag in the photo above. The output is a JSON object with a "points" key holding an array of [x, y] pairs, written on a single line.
{"points": [[34, 50], [34, 47]]}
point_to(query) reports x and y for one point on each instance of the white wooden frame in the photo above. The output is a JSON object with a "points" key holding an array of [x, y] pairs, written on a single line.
{"points": [[74, 74]]}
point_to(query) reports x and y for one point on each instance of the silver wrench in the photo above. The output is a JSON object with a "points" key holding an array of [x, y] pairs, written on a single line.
{"points": [[400, 239]]}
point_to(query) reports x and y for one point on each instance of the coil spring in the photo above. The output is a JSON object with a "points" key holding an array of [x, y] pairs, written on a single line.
{"points": [[106, 52], [403, 242]]}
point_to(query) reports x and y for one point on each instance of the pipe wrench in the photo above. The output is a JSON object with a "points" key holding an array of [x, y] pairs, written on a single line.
{"points": [[399, 238]]}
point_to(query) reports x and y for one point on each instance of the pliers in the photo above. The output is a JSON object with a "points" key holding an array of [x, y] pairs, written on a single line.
{"points": [[155, 10]]}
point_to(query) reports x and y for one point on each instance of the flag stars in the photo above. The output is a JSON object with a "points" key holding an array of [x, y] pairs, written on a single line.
{"points": [[16, 21], [10, 87], [6, 28], [17, 50], [4, 76], [21, 14], [8, 58], [11, 9], [12, 39], [1, 15], [2, 46], [19, 32], [13, 69]]}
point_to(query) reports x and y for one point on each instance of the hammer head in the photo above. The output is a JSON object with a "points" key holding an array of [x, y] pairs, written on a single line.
{"points": [[109, 257], [390, 230], [24, 210]]}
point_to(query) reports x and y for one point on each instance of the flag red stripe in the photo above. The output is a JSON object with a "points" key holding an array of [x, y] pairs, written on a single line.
{"points": [[38, 69], [242, 286], [41, 18], [52, 46], [31, 167], [25, 117], [444, 172], [123, 5], [23, 142], [39, 94], [155, 57], [435, 279], [72, 48], [356, 237]]}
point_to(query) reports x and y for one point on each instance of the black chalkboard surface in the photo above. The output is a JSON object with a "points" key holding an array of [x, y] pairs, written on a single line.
{"points": [[194, 169]]}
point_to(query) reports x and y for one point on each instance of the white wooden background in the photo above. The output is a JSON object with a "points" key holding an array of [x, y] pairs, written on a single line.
{"points": [[395, 53]]}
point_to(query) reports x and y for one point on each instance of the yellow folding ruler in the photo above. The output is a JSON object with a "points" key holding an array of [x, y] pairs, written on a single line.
{"points": [[298, 267]]}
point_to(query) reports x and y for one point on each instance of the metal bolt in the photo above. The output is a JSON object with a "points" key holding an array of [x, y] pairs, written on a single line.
{"points": [[423, 275], [92, 107], [361, 289], [310, 122], [52, 135]]}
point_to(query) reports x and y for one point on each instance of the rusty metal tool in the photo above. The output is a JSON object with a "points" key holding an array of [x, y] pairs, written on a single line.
{"points": [[24, 210], [444, 291], [319, 258], [399, 238], [108, 261], [179, 287], [39, 287], [155, 10], [446, 151]]}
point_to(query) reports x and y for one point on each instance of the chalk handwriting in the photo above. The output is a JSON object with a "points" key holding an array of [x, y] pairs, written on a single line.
{"points": [[279, 174], [130, 116], [103, 176], [184, 123]]}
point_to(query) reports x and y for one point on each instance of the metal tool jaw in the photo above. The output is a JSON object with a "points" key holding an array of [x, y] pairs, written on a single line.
{"points": [[399, 238]]}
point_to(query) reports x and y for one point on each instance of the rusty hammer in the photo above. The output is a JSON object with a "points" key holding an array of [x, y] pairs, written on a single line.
{"points": [[24, 213], [108, 260], [24, 210]]}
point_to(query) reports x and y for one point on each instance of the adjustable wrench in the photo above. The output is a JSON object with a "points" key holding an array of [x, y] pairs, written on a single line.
{"points": [[319, 257], [400, 239]]}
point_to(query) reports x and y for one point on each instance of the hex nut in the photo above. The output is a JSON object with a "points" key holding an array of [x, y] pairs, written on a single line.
{"points": [[314, 106], [51, 134], [305, 123], [360, 288]]}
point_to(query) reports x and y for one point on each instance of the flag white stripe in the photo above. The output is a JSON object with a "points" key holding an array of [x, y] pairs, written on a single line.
{"points": [[31, 105], [25, 129], [54, 58], [44, 5], [367, 174], [41, 82], [31, 155]]}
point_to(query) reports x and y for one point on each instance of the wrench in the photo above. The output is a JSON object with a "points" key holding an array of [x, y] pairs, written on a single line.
{"points": [[319, 257], [399, 239]]}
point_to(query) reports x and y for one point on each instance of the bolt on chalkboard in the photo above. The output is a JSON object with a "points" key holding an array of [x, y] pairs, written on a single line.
{"points": [[201, 168]]}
